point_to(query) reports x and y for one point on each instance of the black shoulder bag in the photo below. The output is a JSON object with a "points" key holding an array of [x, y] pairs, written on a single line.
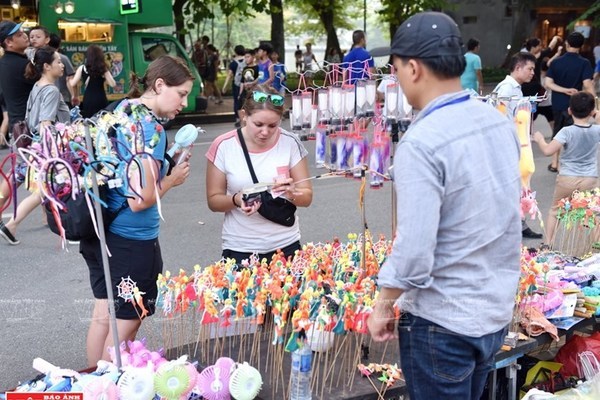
{"points": [[279, 210]]}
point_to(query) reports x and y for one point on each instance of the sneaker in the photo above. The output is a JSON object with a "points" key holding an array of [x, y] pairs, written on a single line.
{"points": [[219, 102], [5, 233]]}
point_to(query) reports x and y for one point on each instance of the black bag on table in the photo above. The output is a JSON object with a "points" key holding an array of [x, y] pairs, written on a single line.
{"points": [[278, 210]]}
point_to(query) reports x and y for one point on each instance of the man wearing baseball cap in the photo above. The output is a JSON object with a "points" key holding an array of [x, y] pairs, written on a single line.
{"points": [[454, 266], [15, 86]]}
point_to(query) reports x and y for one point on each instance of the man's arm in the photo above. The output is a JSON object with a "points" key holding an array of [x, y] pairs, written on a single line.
{"points": [[588, 86], [550, 84]]}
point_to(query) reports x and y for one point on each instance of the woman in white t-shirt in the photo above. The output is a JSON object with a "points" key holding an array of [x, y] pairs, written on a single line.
{"points": [[277, 157]]}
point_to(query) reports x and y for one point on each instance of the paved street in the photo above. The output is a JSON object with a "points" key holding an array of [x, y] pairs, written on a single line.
{"points": [[45, 299]]}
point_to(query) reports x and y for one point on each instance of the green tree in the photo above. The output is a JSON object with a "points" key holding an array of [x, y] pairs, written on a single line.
{"points": [[332, 14], [190, 15], [277, 28], [394, 12], [592, 13]]}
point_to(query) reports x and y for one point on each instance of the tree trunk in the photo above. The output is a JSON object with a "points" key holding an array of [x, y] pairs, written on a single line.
{"points": [[179, 23], [277, 33], [326, 16]]}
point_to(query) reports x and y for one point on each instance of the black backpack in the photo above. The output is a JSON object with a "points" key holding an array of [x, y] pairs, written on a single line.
{"points": [[76, 220]]}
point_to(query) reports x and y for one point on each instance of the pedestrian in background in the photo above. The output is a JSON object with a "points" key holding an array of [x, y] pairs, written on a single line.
{"points": [[567, 75], [94, 74], [279, 74], [200, 56], [358, 63], [15, 86], [472, 78], [45, 107], [307, 59], [234, 75], [68, 94], [249, 73], [579, 158], [522, 70], [535, 87], [265, 70], [446, 265], [298, 57], [39, 36], [210, 78]]}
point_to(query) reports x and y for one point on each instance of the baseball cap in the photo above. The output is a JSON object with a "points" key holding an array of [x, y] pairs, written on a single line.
{"points": [[423, 36], [7, 29]]}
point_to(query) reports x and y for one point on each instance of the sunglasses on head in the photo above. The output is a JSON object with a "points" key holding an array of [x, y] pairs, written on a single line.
{"points": [[275, 99]]}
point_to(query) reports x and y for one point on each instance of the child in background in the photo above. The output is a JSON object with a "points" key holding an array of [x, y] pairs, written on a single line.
{"points": [[578, 158], [279, 73], [249, 73], [39, 37]]}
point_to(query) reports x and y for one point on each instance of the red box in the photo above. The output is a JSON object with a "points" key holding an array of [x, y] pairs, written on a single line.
{"points": [[44, 396]]}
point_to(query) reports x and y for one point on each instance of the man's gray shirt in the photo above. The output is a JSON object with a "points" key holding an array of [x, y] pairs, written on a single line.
{"points": [[457, 247]]}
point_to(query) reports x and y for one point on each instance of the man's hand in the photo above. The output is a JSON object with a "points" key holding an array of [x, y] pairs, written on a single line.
{"points": [[571, 91], [382, 322]]}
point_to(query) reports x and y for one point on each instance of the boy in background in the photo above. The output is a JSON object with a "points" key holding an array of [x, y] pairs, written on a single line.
{"points": [[234, 75], [579, 155], [279, 74], [249, 74]]}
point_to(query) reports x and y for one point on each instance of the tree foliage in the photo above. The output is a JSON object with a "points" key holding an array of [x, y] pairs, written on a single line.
{"points": [[592, 13], [331, 14], [394, 12], [192, 15]]}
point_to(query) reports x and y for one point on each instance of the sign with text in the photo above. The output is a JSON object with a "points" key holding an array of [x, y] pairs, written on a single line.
{"points": [[44, 396], [130, 6]]}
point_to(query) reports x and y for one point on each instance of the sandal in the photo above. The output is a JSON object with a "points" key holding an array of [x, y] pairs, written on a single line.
{"points": [[552, 169]]}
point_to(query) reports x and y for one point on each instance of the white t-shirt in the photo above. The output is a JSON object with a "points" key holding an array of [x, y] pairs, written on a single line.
{"points": [[254, 233]]}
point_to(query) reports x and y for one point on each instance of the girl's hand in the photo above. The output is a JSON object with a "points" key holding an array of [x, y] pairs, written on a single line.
{"points": [[286, 188], [251, 208], [180, 173]]}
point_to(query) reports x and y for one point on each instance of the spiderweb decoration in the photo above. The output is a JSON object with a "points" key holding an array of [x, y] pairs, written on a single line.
{"points": [[125, 288]]}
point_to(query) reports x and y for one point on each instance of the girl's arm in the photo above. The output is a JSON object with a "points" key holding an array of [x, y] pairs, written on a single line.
{"points": [[216, 190], [76, 78], [109, 79], [216, 193]]}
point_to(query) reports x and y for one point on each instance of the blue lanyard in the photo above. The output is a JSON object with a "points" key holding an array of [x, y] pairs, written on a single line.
{"points": [[442, 105]]}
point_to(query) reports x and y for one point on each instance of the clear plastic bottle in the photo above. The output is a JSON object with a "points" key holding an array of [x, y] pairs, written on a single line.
{"points": [[301, 373]]}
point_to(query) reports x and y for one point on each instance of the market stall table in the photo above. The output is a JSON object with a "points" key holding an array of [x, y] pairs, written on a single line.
{"points": [[508, 360]]}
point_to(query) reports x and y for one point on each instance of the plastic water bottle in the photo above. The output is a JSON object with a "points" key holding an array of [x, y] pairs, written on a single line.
{"points": [[301, 373]]}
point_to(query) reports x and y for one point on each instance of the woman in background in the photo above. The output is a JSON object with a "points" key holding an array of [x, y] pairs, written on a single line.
{"points": [[94, 73], [45, 106]]}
